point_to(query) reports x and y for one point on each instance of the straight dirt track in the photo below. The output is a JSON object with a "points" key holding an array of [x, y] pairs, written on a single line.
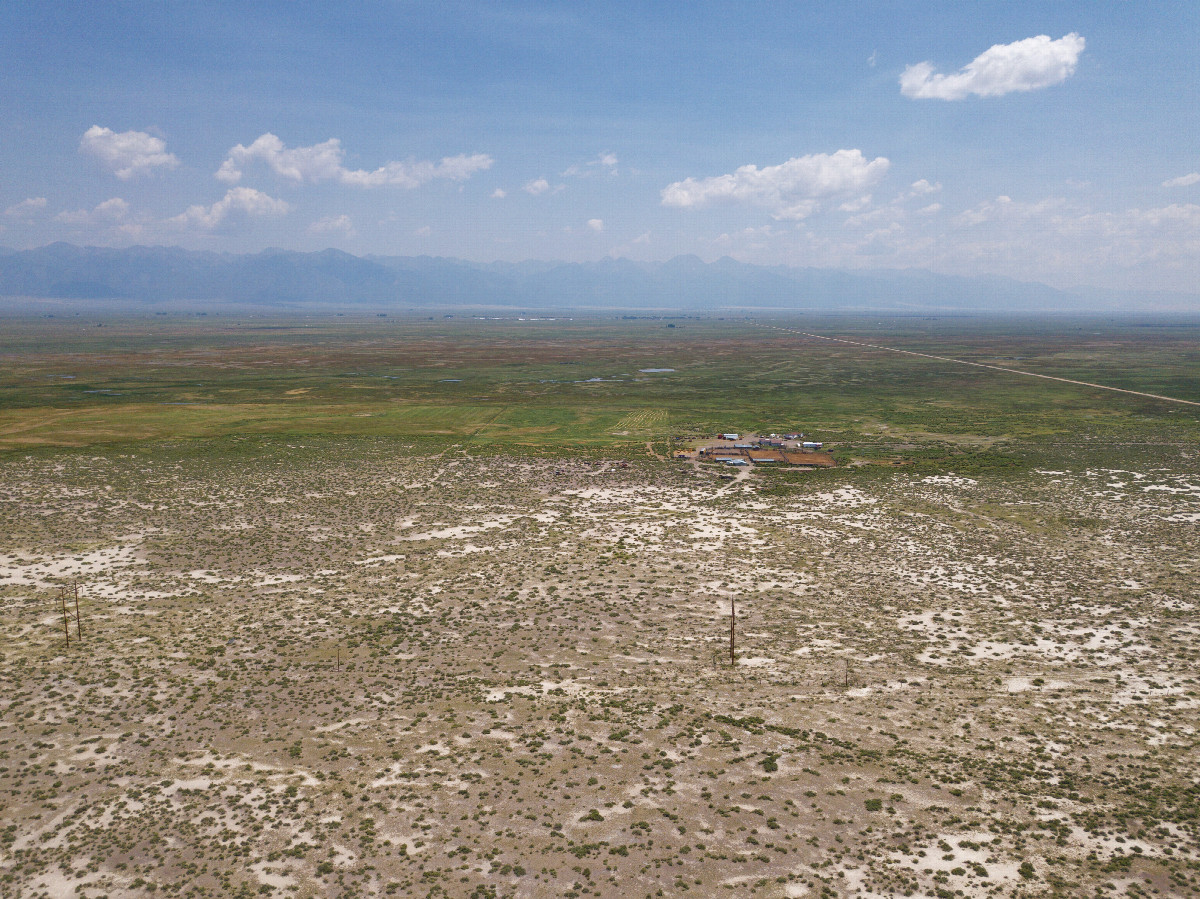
{"points": [[1011, 371]]}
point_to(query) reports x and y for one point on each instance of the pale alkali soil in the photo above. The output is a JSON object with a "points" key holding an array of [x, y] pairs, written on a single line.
{"points": [[941, 678]]}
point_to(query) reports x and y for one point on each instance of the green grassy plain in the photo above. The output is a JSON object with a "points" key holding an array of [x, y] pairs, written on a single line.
{"points": [[574, 386]]}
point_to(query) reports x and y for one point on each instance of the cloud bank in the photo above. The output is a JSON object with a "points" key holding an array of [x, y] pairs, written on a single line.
{"points": [[26, 208], [791, 190], [1060, 241], [128, 153], [1027, 65], [323, 162], [333, 224], [237, 199], [109, 211], [1183, 180]]}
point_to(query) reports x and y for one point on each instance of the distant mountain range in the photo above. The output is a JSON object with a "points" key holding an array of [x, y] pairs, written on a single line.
{"points": [[167, 276]]}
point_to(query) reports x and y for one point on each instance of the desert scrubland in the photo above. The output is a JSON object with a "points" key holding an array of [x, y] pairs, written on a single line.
{"points": [[367, 664]]}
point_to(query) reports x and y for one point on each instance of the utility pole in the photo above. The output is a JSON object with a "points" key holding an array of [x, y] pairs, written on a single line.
{"points": [[732, 622], [62, 598], [78, 624]]}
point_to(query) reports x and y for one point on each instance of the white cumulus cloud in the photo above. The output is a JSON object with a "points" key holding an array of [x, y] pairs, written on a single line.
{"points": [[104, 213], [331, 224], [1027, 65], [320, 162], [1182, 181], [596, 225], [414, 174], [460, 167], [1180, 218], [606, 162], [128, 153], [499, 193], [26, 208], [237, 199], [791, 190], [323, 162], [536, 186]]}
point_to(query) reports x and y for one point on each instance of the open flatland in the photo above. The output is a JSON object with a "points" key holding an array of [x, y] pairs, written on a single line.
{"points": [[410, 607]]}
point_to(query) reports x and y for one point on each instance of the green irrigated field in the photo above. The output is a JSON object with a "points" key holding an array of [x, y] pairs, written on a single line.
{"points": [[572, 386]]}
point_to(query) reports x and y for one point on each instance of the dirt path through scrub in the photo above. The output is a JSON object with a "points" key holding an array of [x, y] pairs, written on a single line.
{"points": [[740, 475]]}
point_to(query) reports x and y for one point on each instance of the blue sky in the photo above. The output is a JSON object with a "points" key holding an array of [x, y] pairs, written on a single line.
{"points": [[1057, 141]]}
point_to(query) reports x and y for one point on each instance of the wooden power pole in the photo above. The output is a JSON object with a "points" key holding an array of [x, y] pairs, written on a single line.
{"points": [[62, 598], [732, 622], [78, 623]]}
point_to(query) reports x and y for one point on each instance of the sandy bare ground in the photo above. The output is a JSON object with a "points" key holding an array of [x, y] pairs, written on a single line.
{"points": [[337, 670]]}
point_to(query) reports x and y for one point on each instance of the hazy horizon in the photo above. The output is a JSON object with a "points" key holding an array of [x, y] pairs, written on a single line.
{"points": [[331, 278]]}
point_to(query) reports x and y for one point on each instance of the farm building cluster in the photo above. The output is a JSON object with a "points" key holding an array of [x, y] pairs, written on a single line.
{"points": [[773, 449]]}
